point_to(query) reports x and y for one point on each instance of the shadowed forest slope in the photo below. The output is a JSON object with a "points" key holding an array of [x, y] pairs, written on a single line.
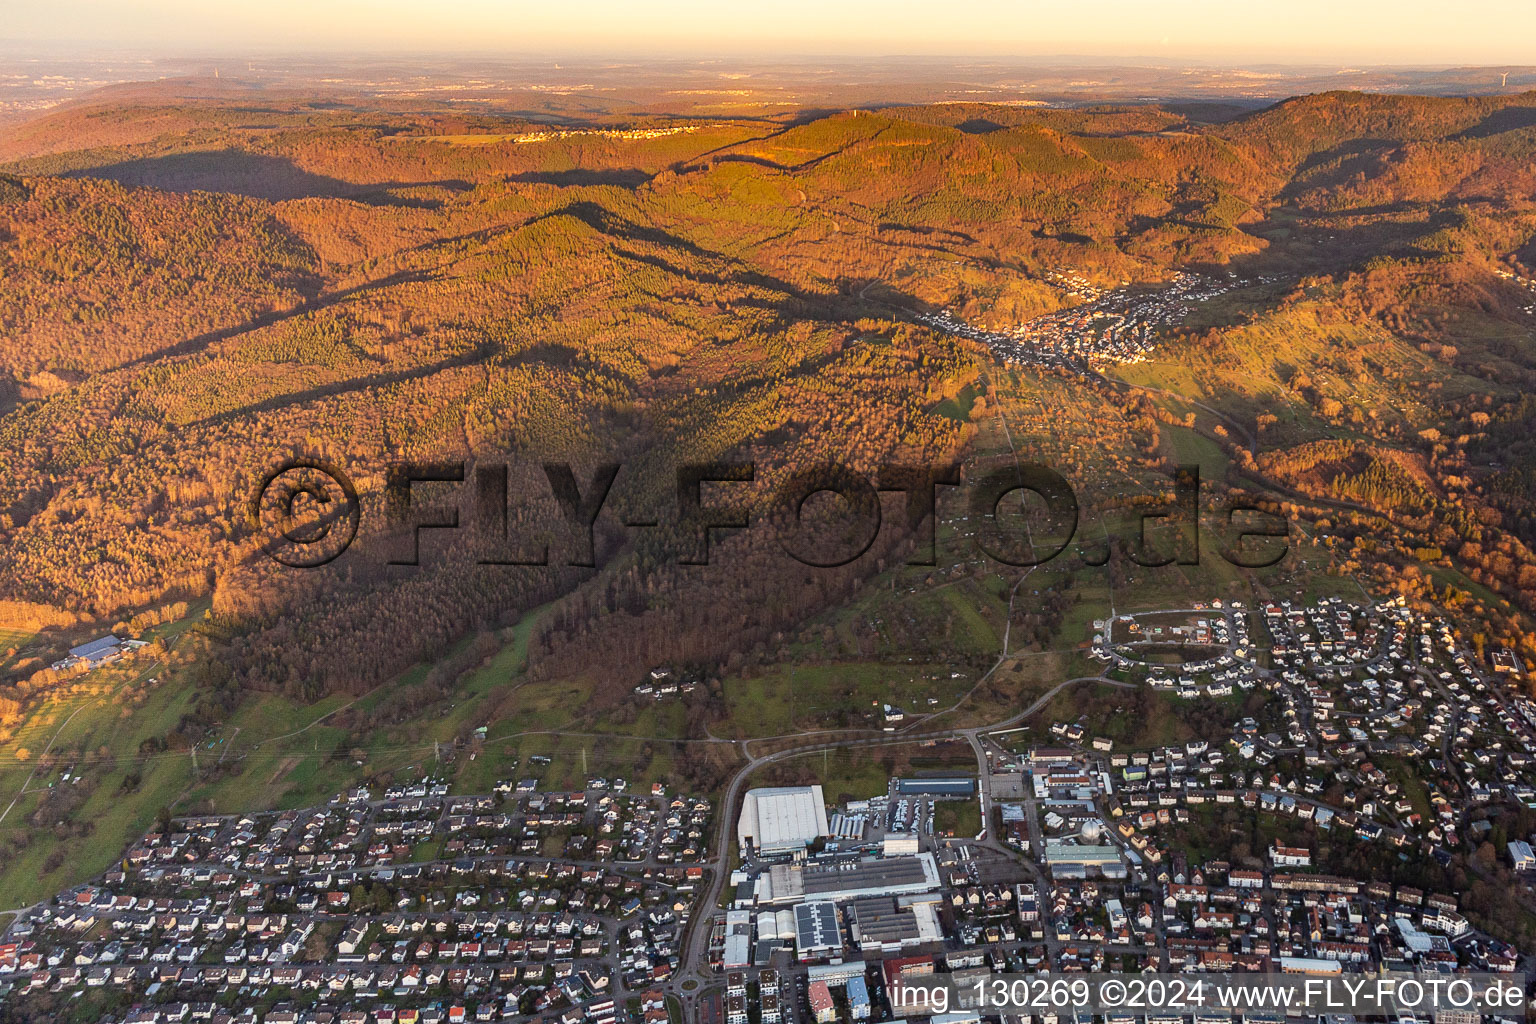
{"points": [[193, 292]]}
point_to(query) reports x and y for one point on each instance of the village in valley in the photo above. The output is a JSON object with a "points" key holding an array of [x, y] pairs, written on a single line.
{"points": [[1106, 327], [1267, 847]]}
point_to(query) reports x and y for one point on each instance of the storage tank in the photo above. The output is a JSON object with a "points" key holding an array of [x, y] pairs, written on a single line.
{"points": [[1092, 828]]}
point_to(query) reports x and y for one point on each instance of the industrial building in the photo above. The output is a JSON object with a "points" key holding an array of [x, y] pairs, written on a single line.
{"points": [[849, 826], [847, 880], [782, 820], [738, 940], [774, 929], [818, 935], [98, 652], [886, 924], [1067, 860], [956, 786]]}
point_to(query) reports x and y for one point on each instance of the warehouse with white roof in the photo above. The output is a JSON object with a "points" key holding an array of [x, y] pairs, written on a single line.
{"points": [[782, 820]]}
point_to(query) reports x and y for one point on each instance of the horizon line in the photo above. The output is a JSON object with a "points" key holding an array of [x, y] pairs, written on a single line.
{"points": [[64, 51]]}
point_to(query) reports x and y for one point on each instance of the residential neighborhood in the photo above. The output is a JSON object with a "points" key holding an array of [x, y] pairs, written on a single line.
{"points": [[609, 904], [1112, 326]]}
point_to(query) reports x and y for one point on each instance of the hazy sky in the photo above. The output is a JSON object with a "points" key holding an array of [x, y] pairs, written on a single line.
{"points": [[1348, 31]]}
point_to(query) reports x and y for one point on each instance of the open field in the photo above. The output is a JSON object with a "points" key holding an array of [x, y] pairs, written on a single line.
{"points": [[98, 734], [793, 698], [1133, 719], [13, 644], [288, 754], [855, 773], [959, 818]]}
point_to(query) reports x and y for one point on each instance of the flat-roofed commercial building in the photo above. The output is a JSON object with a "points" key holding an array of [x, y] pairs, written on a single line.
{"points": [[817, 931], [1308, 965], [782, 820], [954, 786], [848, 880], [738, 939], [885, 924], [1068, 860]]}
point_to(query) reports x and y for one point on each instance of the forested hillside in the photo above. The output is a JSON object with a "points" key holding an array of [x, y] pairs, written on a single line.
{"points": [[191, 292]]}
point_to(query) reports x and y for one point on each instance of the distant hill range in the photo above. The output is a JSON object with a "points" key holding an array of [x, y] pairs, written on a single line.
{"points": [[584, 86], [200, 276]]}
